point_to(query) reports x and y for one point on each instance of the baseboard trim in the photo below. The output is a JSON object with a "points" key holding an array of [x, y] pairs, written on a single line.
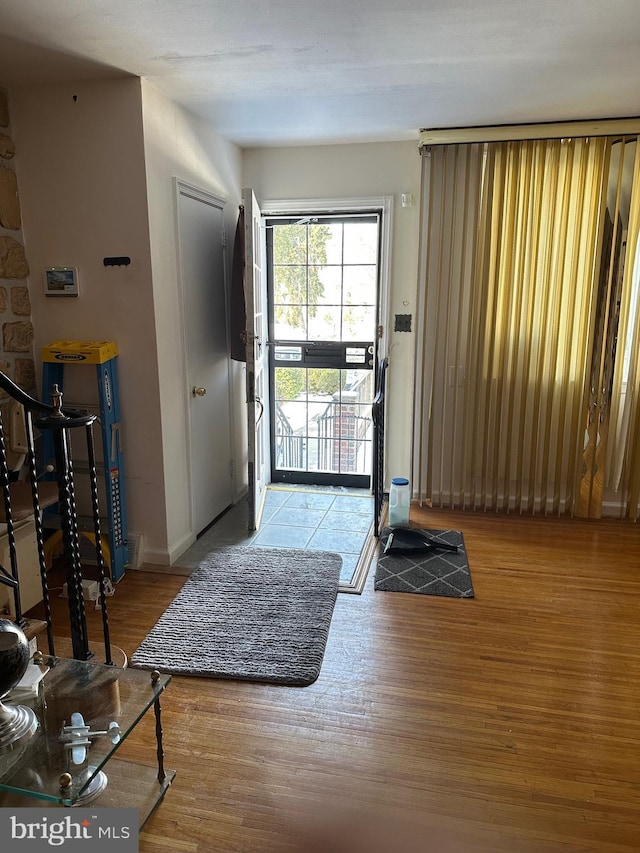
{"points": [[156, 555], [166, 556]]}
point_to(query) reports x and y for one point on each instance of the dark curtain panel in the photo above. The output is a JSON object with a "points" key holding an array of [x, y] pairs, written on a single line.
{"points": [[238, 318]]}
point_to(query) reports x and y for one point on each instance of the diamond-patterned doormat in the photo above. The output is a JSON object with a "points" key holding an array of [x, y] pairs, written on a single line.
{"points": [[427, 572]]}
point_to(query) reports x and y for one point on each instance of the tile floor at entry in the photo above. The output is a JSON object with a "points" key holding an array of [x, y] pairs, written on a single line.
{"points": [[315, 519]]}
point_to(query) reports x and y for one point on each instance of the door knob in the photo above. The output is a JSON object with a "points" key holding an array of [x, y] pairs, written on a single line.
{"points": [[198, 392]]}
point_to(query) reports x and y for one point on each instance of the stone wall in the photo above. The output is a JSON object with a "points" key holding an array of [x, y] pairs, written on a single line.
{"points": [[16, 342]]}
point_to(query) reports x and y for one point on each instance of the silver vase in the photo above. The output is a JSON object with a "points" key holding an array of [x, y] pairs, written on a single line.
{"points": [[17, 722]]}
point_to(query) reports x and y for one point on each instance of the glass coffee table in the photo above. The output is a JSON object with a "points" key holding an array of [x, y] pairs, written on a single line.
{"points": [[86, 711]]}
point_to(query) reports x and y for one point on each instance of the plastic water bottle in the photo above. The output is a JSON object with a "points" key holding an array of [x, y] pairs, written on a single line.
{"points": [[399, 502]]}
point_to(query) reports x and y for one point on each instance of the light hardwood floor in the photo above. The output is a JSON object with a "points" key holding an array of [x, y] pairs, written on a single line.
{"points": [[509, 722]]}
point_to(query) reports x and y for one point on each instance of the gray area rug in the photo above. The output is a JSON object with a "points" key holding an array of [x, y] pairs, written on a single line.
{"points": [[430, 573], [257, 614]]}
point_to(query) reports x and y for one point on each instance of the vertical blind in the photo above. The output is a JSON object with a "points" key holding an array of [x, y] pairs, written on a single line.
{"points": [[510, 265], [623, 451]]}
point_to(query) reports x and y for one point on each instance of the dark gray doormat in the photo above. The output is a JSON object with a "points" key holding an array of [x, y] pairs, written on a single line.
{"points": [[427, 572], [257, 614]]}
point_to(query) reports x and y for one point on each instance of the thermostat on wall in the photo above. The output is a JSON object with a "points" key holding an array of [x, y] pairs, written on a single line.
{"points": [[61, 281]]}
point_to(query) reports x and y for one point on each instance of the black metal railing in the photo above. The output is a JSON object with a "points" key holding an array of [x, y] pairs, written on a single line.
{"points": [[59, 422], [344, 431], [343, 441], [288, 445]]}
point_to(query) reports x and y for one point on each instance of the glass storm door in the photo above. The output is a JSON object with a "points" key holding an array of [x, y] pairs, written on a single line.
{"points": [[323, 296]]}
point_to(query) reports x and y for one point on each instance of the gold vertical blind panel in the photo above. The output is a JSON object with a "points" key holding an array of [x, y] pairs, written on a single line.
{"points": [[591, 488], [623, 451], [451, 187], [509, 263]]}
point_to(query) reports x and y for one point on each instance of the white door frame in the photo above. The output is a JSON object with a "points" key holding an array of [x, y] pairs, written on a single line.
{"points": [[278, 207], [197, 193], [257, 364]]}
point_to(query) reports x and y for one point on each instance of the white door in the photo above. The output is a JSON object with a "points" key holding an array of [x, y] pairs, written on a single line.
{"points": [[205, 320], [257, 373]]}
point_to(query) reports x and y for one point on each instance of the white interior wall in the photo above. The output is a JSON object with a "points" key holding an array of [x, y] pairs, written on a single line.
{"points": [[362, 170], [96, 176], [179, 145], [81, 177]]}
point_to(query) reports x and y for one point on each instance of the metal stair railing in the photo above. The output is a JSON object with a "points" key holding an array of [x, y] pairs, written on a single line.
{"points": [[59, 422]]}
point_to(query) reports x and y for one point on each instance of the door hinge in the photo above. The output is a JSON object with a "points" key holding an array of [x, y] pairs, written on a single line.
{"points": [[232, 469], [380, 331], [224, 238]]}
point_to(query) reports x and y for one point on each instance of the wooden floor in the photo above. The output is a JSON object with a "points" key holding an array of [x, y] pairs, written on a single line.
{"points": [[509, 722]]}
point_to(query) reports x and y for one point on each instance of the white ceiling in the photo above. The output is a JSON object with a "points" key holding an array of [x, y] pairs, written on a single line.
{"points": [[273, 72]]}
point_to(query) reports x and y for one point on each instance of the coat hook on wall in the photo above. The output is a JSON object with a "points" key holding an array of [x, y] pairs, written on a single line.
{"points": [[117, 262]]}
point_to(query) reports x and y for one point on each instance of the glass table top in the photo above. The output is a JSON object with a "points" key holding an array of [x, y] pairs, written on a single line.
{"points": [[111, 701]]}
